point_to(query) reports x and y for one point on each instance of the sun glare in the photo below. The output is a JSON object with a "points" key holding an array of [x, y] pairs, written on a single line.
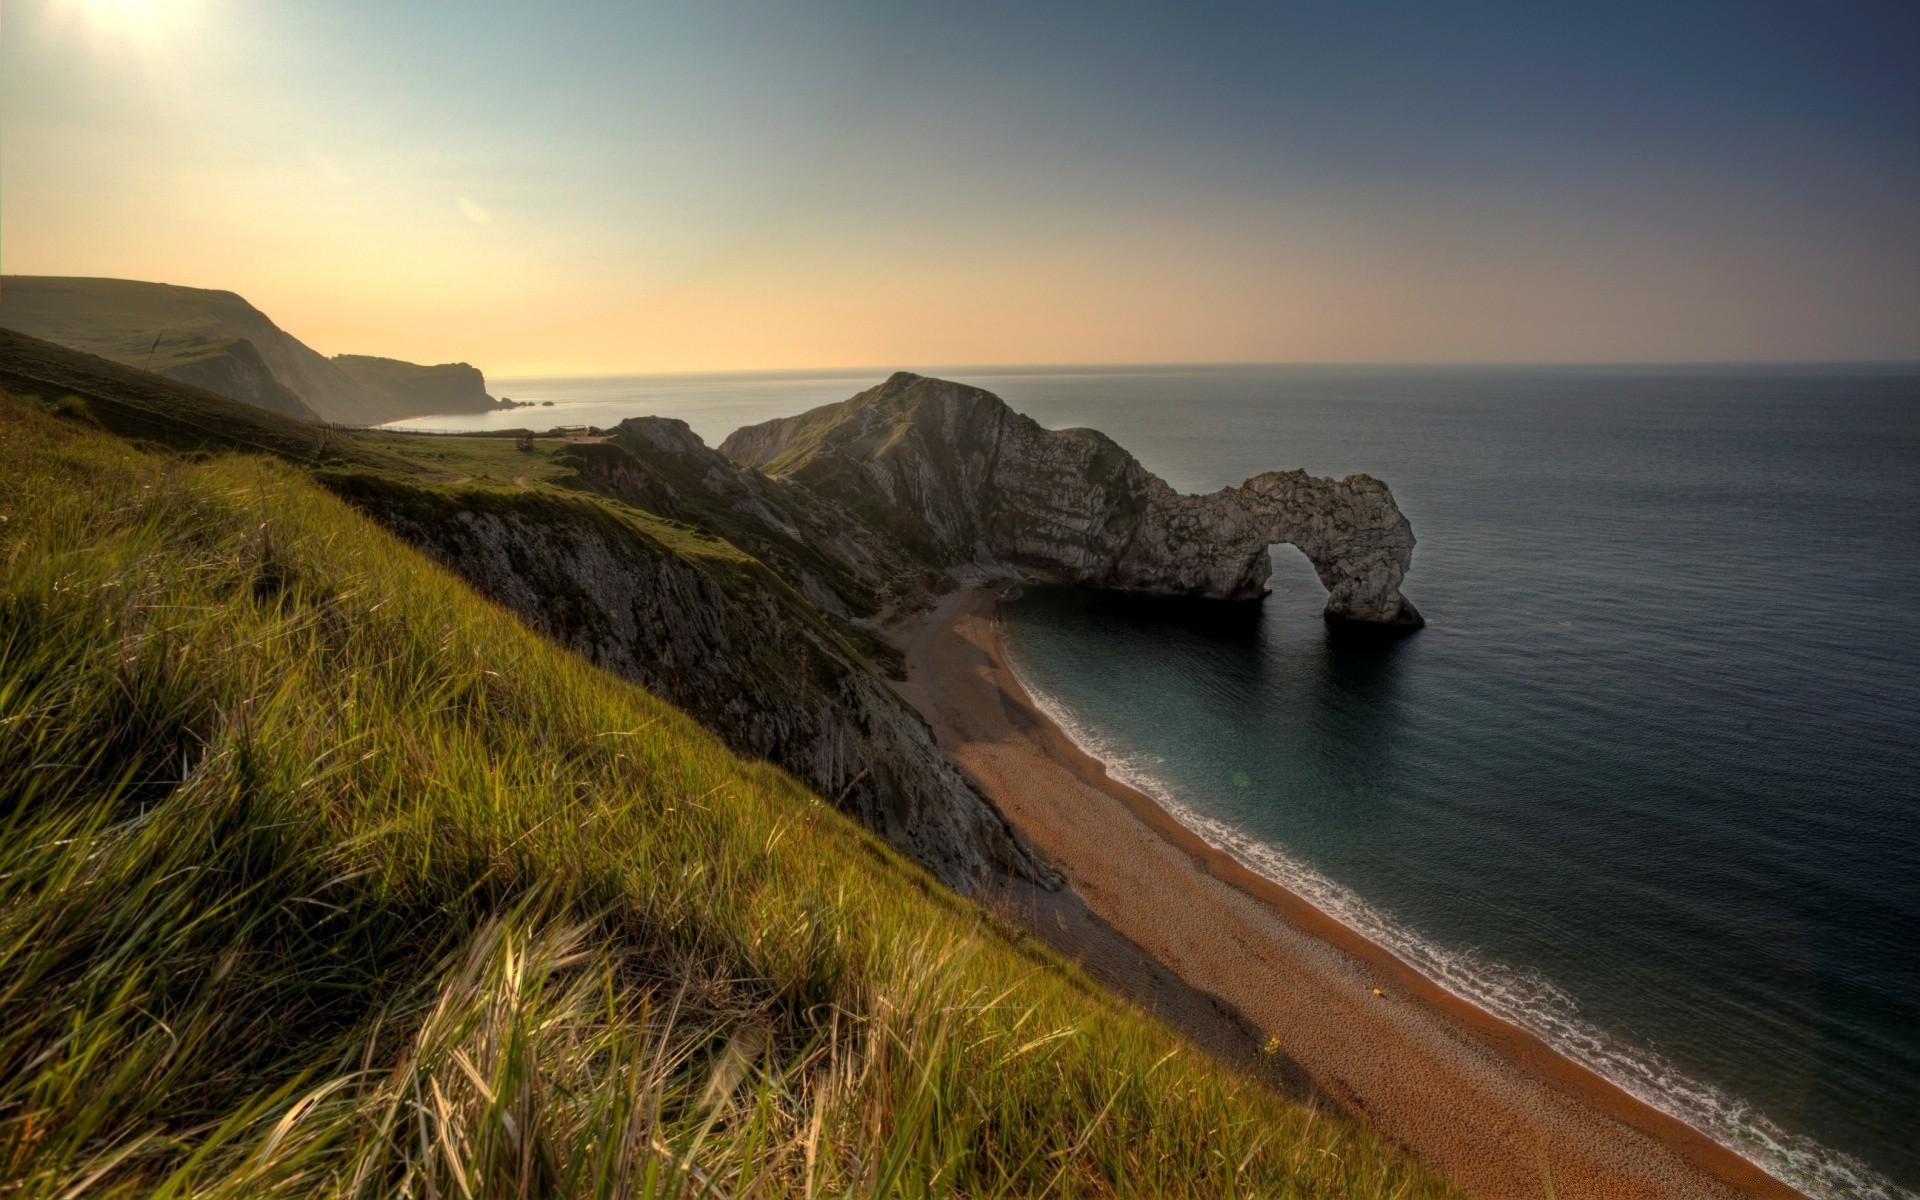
{"points": [[134, 18]]}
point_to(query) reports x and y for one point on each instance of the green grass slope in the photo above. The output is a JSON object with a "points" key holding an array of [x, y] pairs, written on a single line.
{"points": [[191, 333], [319, 876], [161, 327], [153, 408]]}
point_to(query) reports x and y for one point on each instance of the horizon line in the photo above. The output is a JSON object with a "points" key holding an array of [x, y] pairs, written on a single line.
{"points": [[1062, 367]]}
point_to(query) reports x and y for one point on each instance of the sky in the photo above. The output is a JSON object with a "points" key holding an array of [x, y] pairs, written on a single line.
{"points": [[584, 186]]}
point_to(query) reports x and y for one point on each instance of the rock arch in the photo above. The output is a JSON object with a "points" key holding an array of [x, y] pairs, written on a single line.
{"points": [[958, 477]]}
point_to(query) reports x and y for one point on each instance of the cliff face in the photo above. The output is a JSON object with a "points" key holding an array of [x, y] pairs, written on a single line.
{"points": [[233, 368], [660, 465], [717, 633], [956, 476], [445, 388]]}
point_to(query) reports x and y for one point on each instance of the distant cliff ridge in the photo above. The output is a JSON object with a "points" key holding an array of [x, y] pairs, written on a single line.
{"points": [[445, 388], [218, 341], [958, 477], [230, 367]]}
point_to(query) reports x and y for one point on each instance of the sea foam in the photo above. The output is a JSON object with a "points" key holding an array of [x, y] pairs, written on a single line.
{"points": [[1526, 999]]}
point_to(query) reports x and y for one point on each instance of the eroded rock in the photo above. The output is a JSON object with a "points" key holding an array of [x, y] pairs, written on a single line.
{"points": [[956, 476]]}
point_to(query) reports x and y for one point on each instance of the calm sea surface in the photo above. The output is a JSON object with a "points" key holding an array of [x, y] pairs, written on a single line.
{"points": [[1649, 781]]}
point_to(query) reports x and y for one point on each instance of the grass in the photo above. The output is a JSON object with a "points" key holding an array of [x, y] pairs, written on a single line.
{"points": [[320, 876], [120, 318], [491, 458], [151, 408], [805, 433]]}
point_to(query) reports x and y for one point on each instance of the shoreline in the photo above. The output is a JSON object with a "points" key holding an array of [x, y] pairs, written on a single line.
{"points": [[1259, 976]]}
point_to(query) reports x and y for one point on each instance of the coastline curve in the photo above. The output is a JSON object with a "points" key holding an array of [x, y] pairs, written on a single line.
{"points": [[1476, 1095]]}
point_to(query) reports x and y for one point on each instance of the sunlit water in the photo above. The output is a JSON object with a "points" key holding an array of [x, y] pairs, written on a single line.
{"points": [[1648, 781]]}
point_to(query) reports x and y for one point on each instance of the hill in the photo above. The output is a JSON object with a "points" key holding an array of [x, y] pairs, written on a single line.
{"points": [[220, 342], [324, 876], [541, 527], [148, 407]]}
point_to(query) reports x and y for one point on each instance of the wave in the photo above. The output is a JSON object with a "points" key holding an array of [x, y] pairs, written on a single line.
{"points": [[1520, 997]]}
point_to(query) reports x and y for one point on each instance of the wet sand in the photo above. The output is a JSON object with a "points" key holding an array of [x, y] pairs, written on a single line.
{"points": [[1238, 962]]}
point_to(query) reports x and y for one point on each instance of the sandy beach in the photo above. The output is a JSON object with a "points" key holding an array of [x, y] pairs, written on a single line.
{"points": [[1263, 979]]}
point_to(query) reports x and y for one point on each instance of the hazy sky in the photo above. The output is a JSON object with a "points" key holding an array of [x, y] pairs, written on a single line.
{"points": [[595, 186]]}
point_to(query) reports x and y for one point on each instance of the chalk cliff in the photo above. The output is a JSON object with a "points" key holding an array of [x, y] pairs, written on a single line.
{"points": [[958, 477]]}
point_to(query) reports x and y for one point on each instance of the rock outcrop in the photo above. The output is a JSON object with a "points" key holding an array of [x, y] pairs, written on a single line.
{"points": [[717, 633], [661, 465], [957, 477]]}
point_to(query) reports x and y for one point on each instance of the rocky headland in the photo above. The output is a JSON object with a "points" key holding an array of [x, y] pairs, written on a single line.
{"points": [[415, 388], [216, 340], [957, 477]]}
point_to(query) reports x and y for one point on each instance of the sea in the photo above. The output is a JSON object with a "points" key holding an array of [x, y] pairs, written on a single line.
{"points": [[1647, 784]]}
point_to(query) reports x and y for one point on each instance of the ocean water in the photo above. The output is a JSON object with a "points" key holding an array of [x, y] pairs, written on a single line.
{"points": [[1648, 783], [715, 405]]}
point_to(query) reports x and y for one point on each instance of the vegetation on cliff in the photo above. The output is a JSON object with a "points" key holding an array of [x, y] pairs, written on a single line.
{"points": [[216, 340], [323, 876]]}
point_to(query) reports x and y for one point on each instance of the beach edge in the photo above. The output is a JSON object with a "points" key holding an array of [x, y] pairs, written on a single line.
{"points": [[957, 662]]}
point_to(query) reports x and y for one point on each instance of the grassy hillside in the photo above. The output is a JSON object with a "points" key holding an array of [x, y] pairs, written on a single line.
{"points": [[320, 876], [147, 407], [121, 319], [191, 334]]}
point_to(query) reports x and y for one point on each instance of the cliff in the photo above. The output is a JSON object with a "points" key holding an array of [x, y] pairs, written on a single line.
{"points": [[952, 473], [688, 613], [713, 631], [233, 368], [662, 466], [193, 334], [445, 388]]}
